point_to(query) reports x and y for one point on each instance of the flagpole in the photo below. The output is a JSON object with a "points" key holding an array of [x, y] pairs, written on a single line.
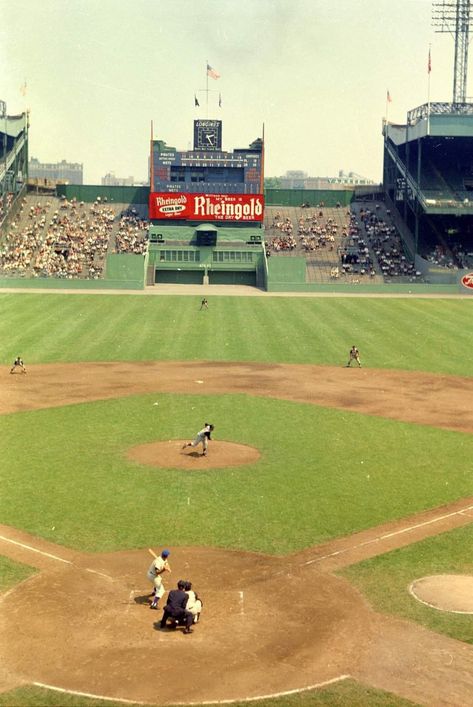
{"points": [[429, 66], [261, 186], [207, 90], [151, 161]]}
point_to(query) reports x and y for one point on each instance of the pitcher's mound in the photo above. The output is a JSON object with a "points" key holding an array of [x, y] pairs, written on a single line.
{"points": [[446, 592], [171, 455]]}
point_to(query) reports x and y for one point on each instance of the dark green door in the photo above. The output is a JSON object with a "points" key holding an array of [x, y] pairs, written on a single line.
{"points": [[181, 277], [232, 277]]}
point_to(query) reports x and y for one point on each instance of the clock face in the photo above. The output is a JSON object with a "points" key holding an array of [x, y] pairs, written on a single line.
{"points": [[207, 135]]}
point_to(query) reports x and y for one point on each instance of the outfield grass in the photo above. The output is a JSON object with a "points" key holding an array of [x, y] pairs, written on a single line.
{"points": [[384, 580], [344, 694], [411, 334], [73, 475]]}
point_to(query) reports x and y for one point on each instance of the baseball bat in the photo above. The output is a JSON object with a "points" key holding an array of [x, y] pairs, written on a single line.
{"points": [[152, 553]]}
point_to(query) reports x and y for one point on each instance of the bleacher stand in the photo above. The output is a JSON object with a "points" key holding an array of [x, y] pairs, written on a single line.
{"points": [[132, 233], [51, 237]]}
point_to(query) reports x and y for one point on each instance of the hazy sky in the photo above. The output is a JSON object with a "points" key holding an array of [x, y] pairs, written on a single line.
{"points": [[315, 72]]}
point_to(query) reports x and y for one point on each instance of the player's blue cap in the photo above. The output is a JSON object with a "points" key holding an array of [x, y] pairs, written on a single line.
{"points": [[165, 553]]}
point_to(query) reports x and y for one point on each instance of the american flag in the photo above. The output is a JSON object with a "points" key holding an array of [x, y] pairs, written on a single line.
{"points": [[429, 64], [212, 73], [388, 97]]}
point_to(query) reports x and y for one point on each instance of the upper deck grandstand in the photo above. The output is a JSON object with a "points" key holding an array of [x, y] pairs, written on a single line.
{"points": [[428, 178], [14, 162]]}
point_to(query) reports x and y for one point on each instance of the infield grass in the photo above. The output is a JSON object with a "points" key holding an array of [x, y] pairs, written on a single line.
{"points": [[323, 473], [411, 334], [11, 573]]}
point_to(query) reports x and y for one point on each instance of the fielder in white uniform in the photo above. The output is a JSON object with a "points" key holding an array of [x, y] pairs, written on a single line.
{"points": [[202, 438], [157, 568]]}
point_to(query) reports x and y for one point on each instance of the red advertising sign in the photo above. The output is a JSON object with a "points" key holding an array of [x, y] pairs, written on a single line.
{"points": [[206, 207], [467, 280]]}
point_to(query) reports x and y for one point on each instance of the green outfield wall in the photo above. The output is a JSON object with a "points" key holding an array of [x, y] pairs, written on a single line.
{"points": [[89, 193], [285, 270], [297, 197]]}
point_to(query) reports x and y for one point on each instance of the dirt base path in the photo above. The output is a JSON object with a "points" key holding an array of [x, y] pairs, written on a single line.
{"points": [[423, 398], [83, 623]]}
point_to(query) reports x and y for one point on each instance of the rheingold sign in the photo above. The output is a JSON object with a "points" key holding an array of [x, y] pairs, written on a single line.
{"points": [[206, 207]]}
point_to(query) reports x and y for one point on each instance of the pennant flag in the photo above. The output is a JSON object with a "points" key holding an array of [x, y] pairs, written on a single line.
{"points": [[388, 97], [219, 100], [429, 64], [212, 73], [23, 88], [196, 102]]}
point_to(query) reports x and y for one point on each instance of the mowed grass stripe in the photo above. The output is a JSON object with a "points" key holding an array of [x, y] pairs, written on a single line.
{"points": [[429, 335]]}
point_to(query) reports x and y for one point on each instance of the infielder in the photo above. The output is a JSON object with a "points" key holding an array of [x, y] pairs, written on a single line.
{"points": [[157, 568], [354, 356], [18, 363], [202, 438]]}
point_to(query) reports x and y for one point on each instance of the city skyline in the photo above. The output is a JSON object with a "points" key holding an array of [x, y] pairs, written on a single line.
{"points": [[315, 73]]}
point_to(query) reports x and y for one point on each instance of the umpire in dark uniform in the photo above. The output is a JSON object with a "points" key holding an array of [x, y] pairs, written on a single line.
{"points": [[176, 608]]}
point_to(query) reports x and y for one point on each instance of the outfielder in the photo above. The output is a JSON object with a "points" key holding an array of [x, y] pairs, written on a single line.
{"points": [[157, 568], [202, 438]]}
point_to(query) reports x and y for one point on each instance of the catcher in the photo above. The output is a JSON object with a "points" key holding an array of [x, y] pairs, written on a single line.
{"points": [[354, 356], [202, 437]]}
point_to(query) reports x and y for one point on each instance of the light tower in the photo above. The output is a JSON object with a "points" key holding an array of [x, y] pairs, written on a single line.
{"points": [[454, 16]]}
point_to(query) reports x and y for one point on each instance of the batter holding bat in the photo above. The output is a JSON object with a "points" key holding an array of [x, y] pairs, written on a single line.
{"points": [[157, 568]]}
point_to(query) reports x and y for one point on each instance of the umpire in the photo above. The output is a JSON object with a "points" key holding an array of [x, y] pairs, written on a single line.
{"points": [[176, 607]]}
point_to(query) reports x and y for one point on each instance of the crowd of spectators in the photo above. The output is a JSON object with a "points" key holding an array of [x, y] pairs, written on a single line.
{"points": [[5, 206], [132, 234], [284, 240], [355, 255], [76, 241], [387, 247], [70, 242], [20, 243], [315, 233], [452, 258]]}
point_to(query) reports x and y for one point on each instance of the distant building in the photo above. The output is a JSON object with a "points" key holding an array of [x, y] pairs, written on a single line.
{"points": [[296, 179], [63, 172], [110, 180]]}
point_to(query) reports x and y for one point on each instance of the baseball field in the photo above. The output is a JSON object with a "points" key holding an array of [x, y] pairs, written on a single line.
{"points": [[328, 492]]}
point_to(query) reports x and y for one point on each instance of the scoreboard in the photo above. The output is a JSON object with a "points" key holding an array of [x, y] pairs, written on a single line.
{"points": [[206, 168]]}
